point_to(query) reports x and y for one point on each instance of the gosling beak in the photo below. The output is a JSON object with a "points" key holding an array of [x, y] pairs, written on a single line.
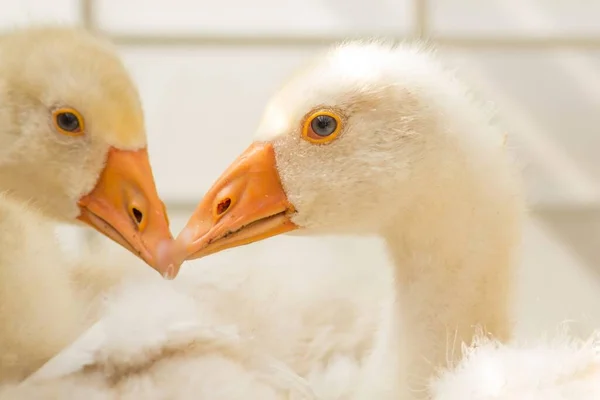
{"points": [[245, 205], [125, 206]]}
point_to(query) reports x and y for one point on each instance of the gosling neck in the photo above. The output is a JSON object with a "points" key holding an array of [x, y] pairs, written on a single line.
{"points": [[453, 257]]}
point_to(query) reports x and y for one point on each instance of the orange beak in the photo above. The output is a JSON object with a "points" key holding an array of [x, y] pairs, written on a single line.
{"points": [[125, 206], [245, 205]]}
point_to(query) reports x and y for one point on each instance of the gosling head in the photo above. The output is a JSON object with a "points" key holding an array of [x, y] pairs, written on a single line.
{"points": [[359, 136], [72, 138]]}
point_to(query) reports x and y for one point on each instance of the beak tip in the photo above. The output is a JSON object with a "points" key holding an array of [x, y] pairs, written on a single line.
{"points": [[168, 261], [170, 272]]}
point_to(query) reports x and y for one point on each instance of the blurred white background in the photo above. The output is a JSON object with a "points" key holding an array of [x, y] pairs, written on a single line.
{"points": [[206, 68]]}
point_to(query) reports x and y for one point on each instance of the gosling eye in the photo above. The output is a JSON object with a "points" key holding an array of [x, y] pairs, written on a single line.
{"points": [[68, 122], [322, 127]]}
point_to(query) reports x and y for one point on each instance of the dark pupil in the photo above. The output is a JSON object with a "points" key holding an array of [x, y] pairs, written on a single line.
{"points": [[323, 125], [68, 122]]}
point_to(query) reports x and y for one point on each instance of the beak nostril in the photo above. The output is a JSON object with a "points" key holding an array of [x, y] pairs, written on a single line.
{"points": [[137, 215], [223, 206]]}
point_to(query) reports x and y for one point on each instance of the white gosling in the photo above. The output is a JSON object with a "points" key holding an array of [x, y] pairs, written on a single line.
{"points": [[376, 139], [72, 148]]}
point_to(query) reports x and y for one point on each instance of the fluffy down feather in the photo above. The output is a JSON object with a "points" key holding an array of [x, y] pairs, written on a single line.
{"points": [[174, 349], [561, 369], [232, 332]]}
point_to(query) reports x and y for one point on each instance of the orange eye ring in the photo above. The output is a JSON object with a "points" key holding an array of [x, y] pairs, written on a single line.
{"points": [[322, 127], [68, 121]]}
